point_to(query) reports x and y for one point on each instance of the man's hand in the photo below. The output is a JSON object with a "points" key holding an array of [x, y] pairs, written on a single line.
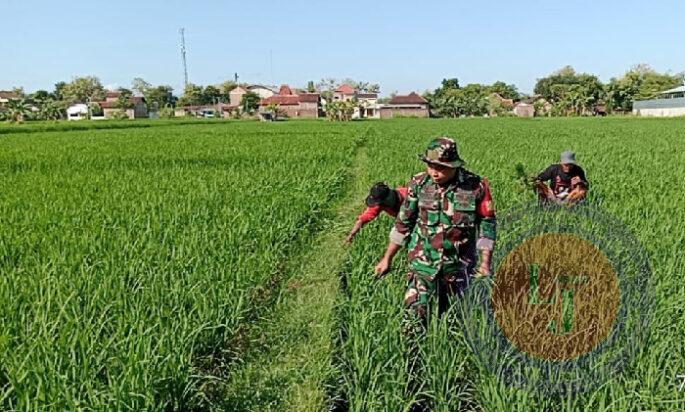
{"points": [[382, 268], [484, 266], [357, 226], [483, 271]]}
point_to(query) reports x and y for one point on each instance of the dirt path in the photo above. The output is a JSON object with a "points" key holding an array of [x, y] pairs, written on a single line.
{"points": [[288, 365]]}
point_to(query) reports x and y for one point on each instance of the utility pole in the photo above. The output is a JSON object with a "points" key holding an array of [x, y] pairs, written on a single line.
{"points": [[271, 66], [181, 31]]}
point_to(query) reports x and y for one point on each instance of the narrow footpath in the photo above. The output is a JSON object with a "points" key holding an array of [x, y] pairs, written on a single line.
{"points": [[289, 363]]}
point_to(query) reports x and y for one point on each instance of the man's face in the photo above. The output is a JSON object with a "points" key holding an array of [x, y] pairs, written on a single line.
{"points": [[566, 167], [440, 174]]}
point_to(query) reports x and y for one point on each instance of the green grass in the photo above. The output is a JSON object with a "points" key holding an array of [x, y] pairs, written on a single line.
{"points": [[633, 167], [197, 266], [131, 260]]}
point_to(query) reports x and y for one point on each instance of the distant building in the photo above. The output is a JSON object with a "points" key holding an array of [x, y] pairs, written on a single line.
{"points": [[6, 96], [236, 95], [77, 111], [669, 103], [205, 110], [344, 93], [368, 105], [367, 102], [264, 92], [109, 106], [411, 105], [523, 109], [305, 105], [505, 103]]}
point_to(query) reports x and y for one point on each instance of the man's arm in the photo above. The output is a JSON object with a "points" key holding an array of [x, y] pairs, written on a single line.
{"points": [[580, 186], [367, 216], [404, 225], [355, 229], [487, 228], [547, 174]]}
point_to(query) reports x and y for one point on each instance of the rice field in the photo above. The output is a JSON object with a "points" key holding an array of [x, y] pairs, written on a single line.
{"points": [[201, 265]]}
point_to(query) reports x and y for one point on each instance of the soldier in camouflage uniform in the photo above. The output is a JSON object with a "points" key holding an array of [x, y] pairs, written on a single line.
{"points": [[447, 217]]}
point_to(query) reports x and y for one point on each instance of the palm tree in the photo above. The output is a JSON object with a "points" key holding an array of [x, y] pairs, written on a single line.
{"points": [[50, 110], [17, 110]]}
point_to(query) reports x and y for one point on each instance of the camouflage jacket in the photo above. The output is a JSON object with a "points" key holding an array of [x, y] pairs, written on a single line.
{"points": [[442, 226]]}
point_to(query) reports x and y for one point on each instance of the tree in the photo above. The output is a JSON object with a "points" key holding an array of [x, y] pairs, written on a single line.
{"points": [[140, 86], [506, 91], [159, 96], [83, 89], [167, 112], [250, 102], [192, 96], [17, 111], [124, 102], [40, 96], [58, 93], [311, 88], [641, 82], [51, 110], [19, 91], [211, 95], [326, 87], [571, 93]]}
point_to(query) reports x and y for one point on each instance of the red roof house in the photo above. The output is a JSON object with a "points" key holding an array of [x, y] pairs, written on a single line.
{"points": [[411, 105]]}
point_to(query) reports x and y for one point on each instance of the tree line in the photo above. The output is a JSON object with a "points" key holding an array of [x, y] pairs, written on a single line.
{"points": [[564, 92]]}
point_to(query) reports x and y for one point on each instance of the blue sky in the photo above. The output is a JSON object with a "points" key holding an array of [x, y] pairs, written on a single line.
{"points": [[403, 45]]}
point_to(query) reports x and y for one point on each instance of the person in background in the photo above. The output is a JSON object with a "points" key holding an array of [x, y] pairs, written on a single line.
{"points": [[567, 185], [381, 199]]}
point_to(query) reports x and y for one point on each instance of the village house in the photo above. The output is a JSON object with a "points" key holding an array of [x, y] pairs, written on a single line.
{"points": [[411, 105], [236, 95], [109, 106], [264, 92], [505, 103], [305, 105], [523, 109], [6, 96], [344, 93], [668, 103], [78, 111], [367, 102]]}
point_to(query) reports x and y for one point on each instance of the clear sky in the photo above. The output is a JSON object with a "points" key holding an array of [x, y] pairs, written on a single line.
{"points": [[403, 45]]}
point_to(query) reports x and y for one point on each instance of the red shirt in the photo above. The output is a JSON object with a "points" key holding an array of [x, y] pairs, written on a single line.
{"points": [[372, 212]]}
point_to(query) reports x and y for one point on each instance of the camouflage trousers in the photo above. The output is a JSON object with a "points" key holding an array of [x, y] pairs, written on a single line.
{"points": [[423, 290]]}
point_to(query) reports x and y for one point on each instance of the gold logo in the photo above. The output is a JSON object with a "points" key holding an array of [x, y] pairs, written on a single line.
{"points": [[556, 296]]}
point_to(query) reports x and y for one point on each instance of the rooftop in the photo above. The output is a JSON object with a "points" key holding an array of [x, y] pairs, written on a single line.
{"points": [[411, 98], [345, 89], [680, 89]]}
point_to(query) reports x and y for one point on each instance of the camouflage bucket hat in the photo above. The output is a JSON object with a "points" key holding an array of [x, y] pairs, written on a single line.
{"points": [[442, 151]]}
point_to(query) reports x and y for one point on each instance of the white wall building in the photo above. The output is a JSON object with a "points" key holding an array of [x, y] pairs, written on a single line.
{"points": [[77, 111], [670, 103], [264, 92]]}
